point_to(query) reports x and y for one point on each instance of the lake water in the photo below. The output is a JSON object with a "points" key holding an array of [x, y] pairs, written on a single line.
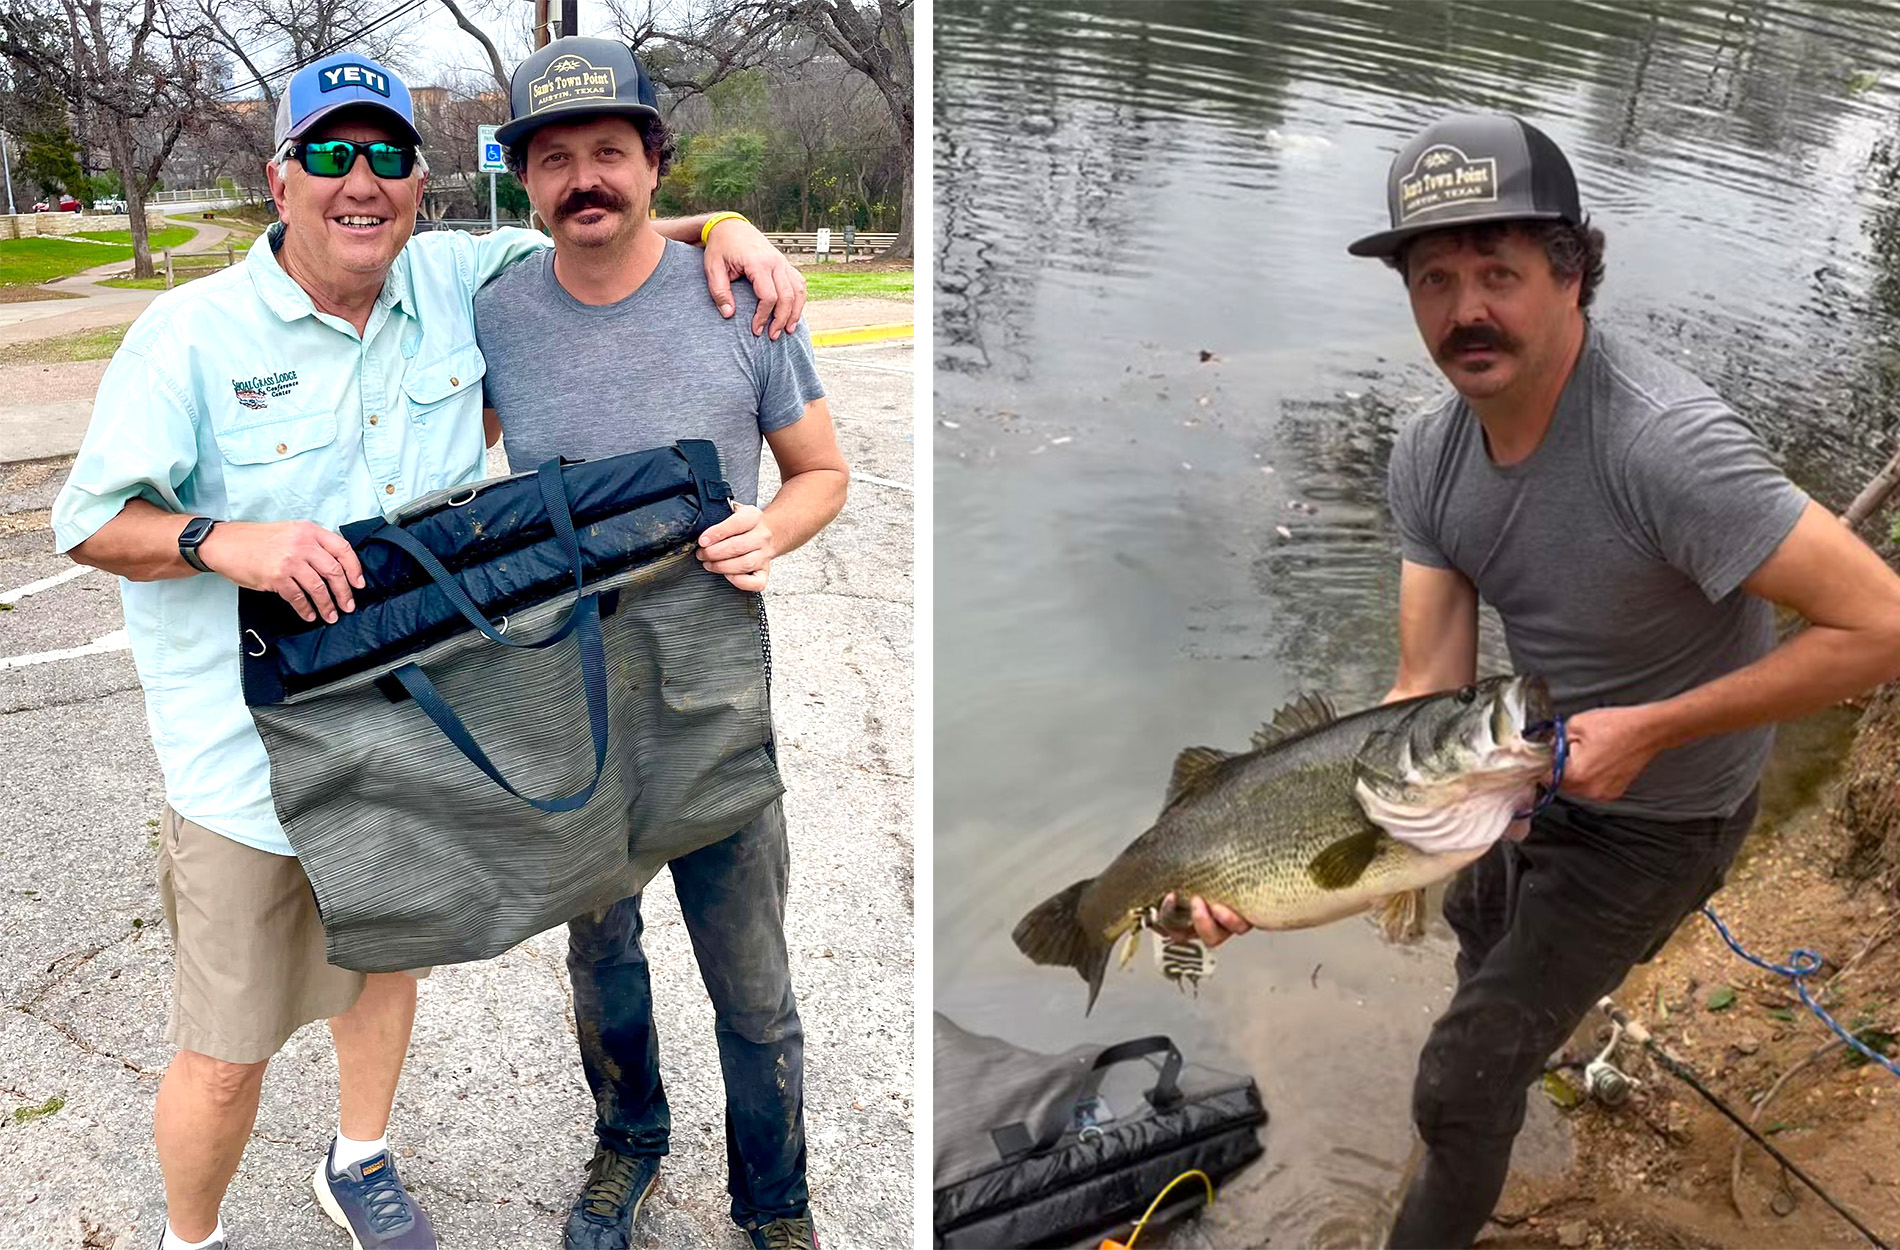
{"points": [[1137, 551]]}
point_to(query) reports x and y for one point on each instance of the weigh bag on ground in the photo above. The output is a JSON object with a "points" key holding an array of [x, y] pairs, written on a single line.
{"points": [[541, 697], [1033, 1149]]}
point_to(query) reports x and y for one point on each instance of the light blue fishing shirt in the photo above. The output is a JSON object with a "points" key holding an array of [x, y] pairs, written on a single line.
{"points": [[234, 398]]}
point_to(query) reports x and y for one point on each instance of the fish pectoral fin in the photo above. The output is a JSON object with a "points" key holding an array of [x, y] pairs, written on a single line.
{"points": [[1303, 714], [1342, 863], [1194, 768]]}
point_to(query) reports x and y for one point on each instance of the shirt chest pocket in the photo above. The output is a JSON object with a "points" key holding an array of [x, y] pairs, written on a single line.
{"points": [[272, 466], [445, 386]]}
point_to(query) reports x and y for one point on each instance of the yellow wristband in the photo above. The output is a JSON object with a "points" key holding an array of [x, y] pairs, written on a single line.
{"points": [[705, 231]]}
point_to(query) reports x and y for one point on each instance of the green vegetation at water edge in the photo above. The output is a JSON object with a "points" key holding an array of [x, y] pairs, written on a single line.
{"points": [[84, 345], [36, 260], [829, 283]]}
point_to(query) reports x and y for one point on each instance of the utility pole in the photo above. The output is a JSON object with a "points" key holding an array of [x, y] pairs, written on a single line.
{"points": [[540, 23]]}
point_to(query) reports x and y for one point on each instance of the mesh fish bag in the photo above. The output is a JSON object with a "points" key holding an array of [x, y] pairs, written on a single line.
{"points": [[541, 698]]}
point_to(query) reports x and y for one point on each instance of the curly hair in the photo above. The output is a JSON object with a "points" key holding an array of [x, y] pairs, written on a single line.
{"points": [[654, 134], [1573, 251]]}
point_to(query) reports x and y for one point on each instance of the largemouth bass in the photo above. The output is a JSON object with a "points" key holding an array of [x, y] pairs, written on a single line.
{"points": [[1299, 831]]}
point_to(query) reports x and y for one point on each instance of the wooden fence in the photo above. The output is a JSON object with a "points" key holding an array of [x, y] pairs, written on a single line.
{"points": [[806, 242]]}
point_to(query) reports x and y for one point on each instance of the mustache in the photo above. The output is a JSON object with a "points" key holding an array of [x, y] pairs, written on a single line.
{"points": [[590, 197], [1466, 338]]}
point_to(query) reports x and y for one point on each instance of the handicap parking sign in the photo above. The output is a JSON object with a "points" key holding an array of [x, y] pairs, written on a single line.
{"points": [[488, 152]]}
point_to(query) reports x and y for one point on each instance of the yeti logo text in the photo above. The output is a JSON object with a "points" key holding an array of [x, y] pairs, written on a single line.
{"points": [[338, 77], [1442, 177], [570, 78]]}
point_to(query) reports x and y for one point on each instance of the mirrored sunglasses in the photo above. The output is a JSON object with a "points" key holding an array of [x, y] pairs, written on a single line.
{"points": [[333, 158]]}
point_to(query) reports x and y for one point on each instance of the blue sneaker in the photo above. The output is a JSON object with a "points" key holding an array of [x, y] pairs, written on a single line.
{"points": [[368, 1202], [603, 1216]]}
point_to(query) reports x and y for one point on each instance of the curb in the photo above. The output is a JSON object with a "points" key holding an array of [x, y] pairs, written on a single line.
{"points": [[863, 334]]}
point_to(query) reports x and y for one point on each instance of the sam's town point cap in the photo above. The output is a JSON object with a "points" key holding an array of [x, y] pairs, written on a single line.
{"points": [[1469, 169], [576, 77], [342, 80]]}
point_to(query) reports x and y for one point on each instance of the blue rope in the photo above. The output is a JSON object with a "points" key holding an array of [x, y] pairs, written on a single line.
{"points": [[1560, 757], [1802, 964]]}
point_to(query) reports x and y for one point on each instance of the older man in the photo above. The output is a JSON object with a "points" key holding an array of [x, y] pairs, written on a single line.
{"points": [[601, 346], [246, 418], [1634, 539]]}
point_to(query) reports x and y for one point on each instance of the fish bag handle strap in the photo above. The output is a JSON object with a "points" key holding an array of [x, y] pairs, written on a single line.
{"points": [[585, 622], [702, 461], [1016, 1139], [560, 512], [1167, 1090]]}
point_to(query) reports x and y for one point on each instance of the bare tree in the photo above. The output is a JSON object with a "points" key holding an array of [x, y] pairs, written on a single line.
{"points": [[702, 44], [138, 79]]}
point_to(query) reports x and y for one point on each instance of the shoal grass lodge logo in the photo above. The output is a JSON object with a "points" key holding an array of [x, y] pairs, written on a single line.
{"points": [[1442, 176], [569, 78]]}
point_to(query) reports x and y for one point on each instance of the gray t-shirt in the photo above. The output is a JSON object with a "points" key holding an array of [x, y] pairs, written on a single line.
{"points": [[586, 381], [1615, 553]]}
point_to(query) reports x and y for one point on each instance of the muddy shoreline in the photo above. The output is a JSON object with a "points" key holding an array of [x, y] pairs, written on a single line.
{"points": [[1662, 1169]]}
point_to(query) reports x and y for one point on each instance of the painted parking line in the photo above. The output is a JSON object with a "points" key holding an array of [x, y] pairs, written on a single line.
{"points": [[45, 583], [114, 641], [863, 334], [882, 481], [865, 364]]}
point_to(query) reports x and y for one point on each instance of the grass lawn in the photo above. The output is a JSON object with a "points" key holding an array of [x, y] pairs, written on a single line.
{"points": [[832, 281], [168, 236], [36, 260], [85, 345]]}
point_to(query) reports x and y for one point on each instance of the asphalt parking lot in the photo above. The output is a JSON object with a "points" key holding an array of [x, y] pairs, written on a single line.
{"points": [[493, 1121]]}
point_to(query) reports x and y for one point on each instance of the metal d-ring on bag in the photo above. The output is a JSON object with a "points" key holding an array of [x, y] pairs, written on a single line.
{"points": [[452, 786]]}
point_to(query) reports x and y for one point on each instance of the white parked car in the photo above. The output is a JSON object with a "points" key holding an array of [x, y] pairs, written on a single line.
{"points": [[108, 206]]}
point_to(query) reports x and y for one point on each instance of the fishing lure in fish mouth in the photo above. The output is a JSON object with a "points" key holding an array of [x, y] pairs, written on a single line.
{"points": [[1185, 961]]}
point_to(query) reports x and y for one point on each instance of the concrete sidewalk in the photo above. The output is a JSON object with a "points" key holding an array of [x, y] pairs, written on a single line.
{"points": [[493, 1120]]}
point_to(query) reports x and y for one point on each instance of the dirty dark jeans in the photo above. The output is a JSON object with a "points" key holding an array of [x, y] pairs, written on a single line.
{"points": [[732, 895], [1545, 927]]}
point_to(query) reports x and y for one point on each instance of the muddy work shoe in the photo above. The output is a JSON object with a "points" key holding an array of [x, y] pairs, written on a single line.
{"points": [[368, 1202], [603, 1216], [788, 1232]]}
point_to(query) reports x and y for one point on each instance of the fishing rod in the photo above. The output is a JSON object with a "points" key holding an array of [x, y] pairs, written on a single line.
{"points": [[1677, 1068]]}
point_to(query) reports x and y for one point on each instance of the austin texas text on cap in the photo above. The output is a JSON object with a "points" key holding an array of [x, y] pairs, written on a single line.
{"points": [[572, 78]]}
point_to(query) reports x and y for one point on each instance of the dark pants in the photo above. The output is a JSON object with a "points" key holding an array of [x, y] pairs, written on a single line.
{"points": [[1546, 927], [732, 895]]}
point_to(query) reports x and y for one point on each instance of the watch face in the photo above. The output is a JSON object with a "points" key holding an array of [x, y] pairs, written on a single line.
{"points": [[194, 531]]}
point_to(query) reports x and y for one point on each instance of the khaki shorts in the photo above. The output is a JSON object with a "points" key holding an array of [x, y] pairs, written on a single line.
{"points": [[248, 956]]}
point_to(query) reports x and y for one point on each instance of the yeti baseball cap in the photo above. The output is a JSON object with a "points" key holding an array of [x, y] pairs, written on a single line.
{"points": [[1469, 169], [342, 80], [572, 78]]}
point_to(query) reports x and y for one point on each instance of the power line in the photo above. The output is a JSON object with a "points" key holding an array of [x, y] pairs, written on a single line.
{"points": [[403, 9]]}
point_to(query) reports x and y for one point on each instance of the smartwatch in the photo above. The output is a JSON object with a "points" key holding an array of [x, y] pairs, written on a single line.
{"points": [[195, 532]]}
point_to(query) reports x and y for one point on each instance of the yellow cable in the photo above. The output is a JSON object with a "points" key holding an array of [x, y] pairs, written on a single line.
{"points": [[1156, 1204]]}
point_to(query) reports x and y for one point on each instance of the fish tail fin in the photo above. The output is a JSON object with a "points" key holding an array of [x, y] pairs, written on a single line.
{"points": [[1401, 917], [1053, 933]]}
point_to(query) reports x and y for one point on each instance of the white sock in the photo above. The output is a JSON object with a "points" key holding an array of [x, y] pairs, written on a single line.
{"points": [[173, 1241], [349, 1150]]}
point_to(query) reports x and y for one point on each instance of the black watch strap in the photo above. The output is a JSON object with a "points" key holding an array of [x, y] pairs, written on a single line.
{"points": [[189, 539]]}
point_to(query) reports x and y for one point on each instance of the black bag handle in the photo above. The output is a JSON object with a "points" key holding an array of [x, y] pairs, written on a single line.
{"points": [[582, 618], [1017, 1139]]}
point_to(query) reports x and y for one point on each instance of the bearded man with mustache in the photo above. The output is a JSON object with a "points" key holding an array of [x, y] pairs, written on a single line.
{"points": [[1635, 540], [593, 350]]}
